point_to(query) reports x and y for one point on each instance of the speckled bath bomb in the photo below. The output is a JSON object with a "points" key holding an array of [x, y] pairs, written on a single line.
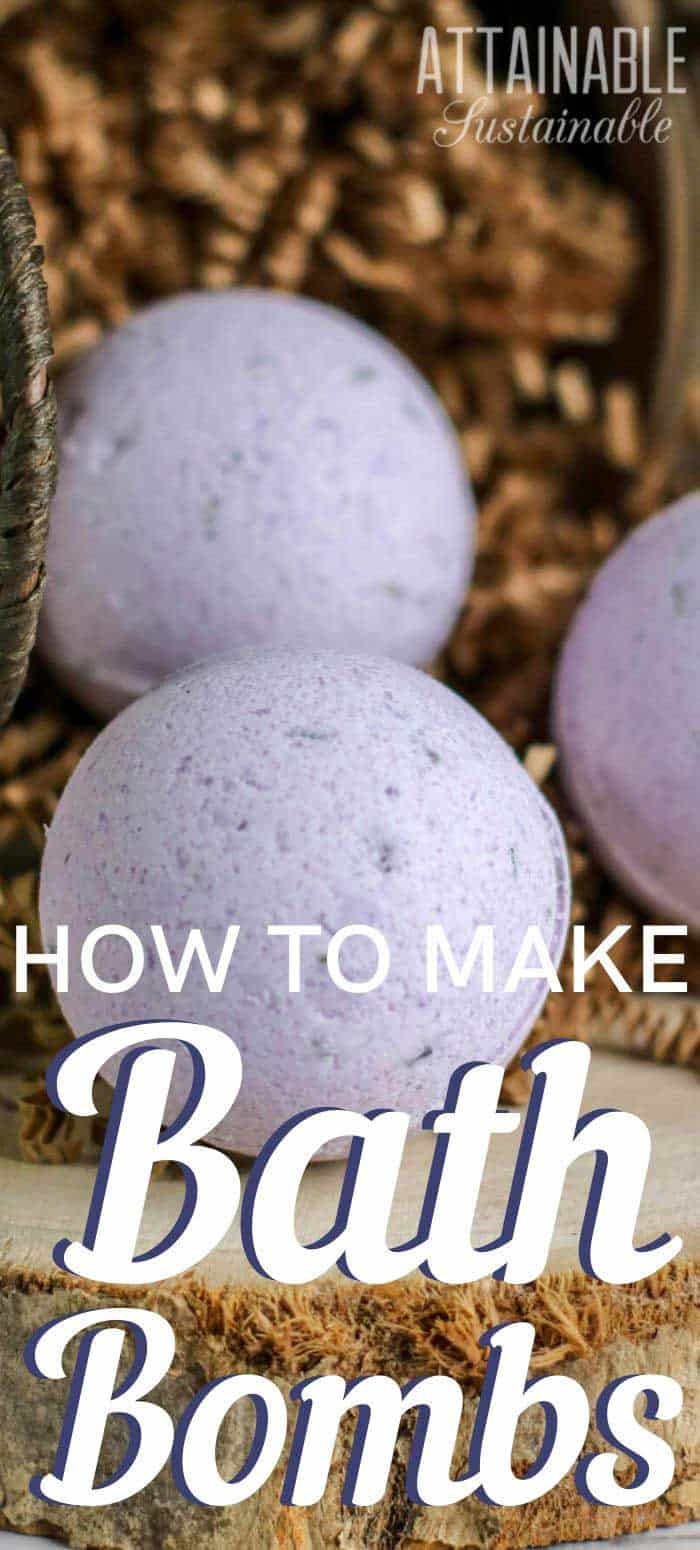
{"points": [[313, 788], [627, 713], [248, 469]]}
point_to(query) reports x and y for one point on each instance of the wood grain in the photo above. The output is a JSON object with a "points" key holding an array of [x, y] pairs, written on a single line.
{"points": [[667, 1101], [230, 1320]]}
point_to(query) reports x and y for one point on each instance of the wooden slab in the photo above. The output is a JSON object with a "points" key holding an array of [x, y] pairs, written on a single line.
{"points": [[665, 1539], [42, 1207], [230, 1320]]}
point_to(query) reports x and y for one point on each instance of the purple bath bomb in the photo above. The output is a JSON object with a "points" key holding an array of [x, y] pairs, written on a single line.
{"points": [[627, 713], [248, 469], [313, 788]]}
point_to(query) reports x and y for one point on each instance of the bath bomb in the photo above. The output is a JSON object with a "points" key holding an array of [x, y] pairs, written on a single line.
{"points": [[627, 713], [319, 789], [248, 469]]}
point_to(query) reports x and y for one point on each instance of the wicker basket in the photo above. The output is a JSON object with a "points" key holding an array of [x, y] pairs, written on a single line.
{"points": [[28, 453]]}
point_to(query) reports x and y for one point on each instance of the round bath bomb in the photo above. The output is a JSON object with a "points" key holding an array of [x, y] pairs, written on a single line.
{"points": [[627, 713], [320, 789], [248, 469]]}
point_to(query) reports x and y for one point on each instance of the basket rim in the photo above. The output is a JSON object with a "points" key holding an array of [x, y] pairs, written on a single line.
{"points": [[28, 456]]}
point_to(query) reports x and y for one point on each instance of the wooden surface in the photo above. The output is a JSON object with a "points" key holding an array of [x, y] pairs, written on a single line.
{"points": [[590, 1331], [41, 1205], [662, 180], [685, 1538]]}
